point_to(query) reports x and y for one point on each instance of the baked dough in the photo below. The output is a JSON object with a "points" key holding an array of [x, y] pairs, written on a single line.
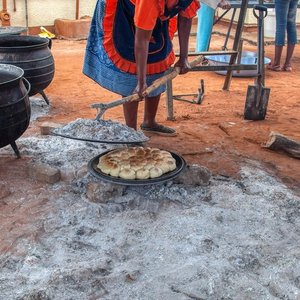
{"points": [[137, 163]]}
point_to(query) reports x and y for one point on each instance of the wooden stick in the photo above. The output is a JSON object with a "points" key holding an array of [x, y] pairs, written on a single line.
{"points": [[279, 142], [135, 97]]}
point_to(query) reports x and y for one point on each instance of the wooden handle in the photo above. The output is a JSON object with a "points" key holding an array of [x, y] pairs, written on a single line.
{"points": [[157, 83], [160, 81]]}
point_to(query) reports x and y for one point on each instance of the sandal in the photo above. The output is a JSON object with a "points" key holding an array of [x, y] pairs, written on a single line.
{"points": [[276, 68], [160, 130], [287, 68]]}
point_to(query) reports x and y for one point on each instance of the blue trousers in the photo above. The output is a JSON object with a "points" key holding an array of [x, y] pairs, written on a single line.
{"points": [[286, 11], [204, 28]]}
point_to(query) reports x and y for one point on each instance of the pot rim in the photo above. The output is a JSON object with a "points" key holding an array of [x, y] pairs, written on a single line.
{"points": [[43, 42], [8, 67]]}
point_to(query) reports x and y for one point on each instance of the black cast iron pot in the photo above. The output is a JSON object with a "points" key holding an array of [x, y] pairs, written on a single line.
{"points": [[14, 105], [33, 55]]}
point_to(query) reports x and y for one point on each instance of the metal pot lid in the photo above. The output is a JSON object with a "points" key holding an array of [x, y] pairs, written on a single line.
{"points": [[100, 131], [92, 167], [116, 142]]}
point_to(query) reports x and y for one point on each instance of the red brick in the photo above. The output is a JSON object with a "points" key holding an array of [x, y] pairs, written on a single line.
{"points": [[43, 172], [47, 127]]}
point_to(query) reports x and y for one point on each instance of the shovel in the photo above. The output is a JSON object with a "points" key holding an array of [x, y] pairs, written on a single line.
{"points": [[257, 95], [102, 107]]}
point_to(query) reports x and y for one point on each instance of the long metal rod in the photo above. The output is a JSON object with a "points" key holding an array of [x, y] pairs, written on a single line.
{"points": [[26, 13], [4, 5], [236, 43], [233, 67], [77, 10], [229, 29], [262, 44], [209, 53]]}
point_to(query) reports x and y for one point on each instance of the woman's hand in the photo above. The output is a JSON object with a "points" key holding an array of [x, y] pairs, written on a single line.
{"points": [[224, 4], [140, 89], [183, 65]]}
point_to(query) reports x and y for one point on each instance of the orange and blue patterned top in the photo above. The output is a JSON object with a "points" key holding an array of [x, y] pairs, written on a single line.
{"points": [[109, 58]]}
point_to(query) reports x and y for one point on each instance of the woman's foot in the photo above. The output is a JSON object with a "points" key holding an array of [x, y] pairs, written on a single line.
{"points": [[272, 67], [159, 129], [287, 68]]}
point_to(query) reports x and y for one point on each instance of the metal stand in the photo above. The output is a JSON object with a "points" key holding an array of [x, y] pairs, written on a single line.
{"points": [[197, 98], [229, 68]]}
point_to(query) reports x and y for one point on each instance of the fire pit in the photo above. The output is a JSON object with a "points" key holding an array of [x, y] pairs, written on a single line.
{"points": [[14, 105], [32, 54]]}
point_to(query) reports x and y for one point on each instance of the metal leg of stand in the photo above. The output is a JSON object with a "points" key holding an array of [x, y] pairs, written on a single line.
{"points": [[169, 101], [15, 147], [236, 43], [45, 97], [229, 30]]}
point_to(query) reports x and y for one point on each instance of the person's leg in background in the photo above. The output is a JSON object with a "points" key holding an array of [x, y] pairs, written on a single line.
{"points": [[204, 28], [291, 34], [281, 11]]}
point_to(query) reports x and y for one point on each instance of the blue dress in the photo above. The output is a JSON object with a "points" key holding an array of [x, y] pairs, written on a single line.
{"points": [[104, 67]]}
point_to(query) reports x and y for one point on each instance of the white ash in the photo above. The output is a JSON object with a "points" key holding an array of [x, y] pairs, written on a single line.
{"points": [[229, 240], [102, 130], [244, 246], [39, 108], [60, 152]]}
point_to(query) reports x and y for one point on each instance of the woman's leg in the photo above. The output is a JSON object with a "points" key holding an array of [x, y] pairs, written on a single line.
{"points": [[130, 113], [291, 33], [151, 106], [150, 124]]}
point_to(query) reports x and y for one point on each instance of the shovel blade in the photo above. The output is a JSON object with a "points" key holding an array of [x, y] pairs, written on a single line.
{"points": [[256, 103]]}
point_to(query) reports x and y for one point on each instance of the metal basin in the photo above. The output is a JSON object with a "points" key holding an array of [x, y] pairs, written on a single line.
{"points": [[248, 58]]}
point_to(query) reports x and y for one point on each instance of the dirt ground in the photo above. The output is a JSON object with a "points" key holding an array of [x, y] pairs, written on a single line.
{"points": [[213, 134]]}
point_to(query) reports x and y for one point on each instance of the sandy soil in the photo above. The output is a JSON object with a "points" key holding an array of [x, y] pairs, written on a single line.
{"points": [[216, 125]]}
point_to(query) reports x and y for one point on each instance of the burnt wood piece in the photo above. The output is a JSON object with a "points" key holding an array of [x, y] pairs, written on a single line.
{"points": [[279, 142]]}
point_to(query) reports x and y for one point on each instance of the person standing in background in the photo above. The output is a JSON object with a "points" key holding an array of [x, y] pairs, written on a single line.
{"points": [[129, 47], [286, 11], [205, 24]]}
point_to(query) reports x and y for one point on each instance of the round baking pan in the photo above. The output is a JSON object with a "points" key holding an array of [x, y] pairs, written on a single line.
{"points": [[92, 167]]}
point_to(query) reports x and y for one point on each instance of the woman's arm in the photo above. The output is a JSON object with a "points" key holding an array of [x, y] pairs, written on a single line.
{"points": [[141, 48], [184, 29]]}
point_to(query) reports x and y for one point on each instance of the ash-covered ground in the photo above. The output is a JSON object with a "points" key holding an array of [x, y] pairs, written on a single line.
{"points": [[228, 240]]}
